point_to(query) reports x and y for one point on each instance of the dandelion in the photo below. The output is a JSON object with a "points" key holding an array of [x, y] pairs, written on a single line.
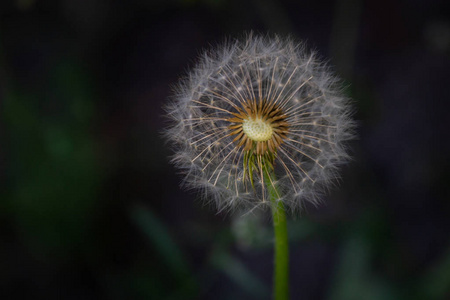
{"points": [[256, 114], [260, 123]]}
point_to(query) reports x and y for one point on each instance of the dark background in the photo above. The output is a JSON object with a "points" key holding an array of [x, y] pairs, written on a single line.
{"points": [[90, 207]]}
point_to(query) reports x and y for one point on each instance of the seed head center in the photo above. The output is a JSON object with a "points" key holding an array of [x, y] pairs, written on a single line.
{"points": [[257, 130]]}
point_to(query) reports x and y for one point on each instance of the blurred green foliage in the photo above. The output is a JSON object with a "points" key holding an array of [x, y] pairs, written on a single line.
{"points": [[52, 162]]}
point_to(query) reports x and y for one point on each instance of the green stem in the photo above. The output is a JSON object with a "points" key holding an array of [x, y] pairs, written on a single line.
{"points": [[281, 272]]}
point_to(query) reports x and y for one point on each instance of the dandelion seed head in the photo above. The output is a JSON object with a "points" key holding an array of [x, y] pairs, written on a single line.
{"points": [[253, 104]]}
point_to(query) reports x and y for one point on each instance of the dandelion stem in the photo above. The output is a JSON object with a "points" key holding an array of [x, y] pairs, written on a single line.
{"points": [[281, 255]]}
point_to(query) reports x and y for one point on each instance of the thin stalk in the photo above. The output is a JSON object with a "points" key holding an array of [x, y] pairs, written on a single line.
{"points": [[281, 255]]}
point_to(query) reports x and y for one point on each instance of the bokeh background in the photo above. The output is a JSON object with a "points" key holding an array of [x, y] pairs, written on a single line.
{"points": [[90, 207]]}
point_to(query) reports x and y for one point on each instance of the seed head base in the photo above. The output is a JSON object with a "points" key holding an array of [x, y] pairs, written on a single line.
{"points": [[263, 114]]}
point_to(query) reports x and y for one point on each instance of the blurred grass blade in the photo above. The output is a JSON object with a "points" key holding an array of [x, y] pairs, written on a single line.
{"points": [[436, 282], [354, 279], [160, 238], [239, 274], [351, 271]]}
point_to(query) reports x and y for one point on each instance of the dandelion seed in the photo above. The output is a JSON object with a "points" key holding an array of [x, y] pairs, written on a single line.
{"points": [[257, 106]]}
